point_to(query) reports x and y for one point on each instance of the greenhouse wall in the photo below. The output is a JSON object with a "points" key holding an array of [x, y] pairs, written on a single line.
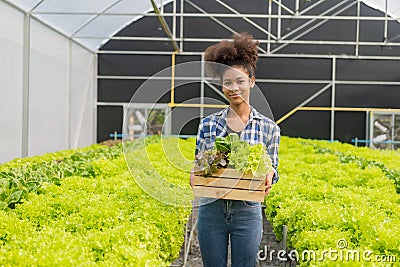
{"points": [[310, 64], [47, 85], [11, 47]]}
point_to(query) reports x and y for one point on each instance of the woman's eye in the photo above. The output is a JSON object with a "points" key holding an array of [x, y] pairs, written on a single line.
{"points": [[227, 83]]}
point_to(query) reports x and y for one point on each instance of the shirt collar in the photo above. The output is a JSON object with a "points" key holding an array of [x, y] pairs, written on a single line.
{"points": [[254, 114]]}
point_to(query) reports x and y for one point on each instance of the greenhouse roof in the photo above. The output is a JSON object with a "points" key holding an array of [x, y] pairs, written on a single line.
{"points": [[91, 23], [88, 22]]}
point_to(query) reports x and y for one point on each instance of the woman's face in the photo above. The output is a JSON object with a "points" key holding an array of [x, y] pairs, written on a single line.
{"points": [[236, 85]]}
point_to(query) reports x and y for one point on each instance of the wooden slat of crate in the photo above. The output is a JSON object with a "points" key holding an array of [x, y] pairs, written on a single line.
{"points": [[229, 184], [228, 193], [231, 173]]}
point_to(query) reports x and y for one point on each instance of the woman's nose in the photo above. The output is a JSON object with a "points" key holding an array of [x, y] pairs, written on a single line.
{"points": [[233, 87]]}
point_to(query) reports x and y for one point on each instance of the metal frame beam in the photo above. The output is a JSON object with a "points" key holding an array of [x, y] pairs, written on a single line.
{"points": [[259, 80], [25, 84], [224, 15], [333, 98], [283, 42], [321, 56]]}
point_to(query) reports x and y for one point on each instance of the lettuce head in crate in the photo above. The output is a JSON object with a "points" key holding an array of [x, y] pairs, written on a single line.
{"points": [[231, 152]]}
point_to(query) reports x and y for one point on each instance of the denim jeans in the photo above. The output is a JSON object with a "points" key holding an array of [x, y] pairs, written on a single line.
{"points": [[220, 220]]}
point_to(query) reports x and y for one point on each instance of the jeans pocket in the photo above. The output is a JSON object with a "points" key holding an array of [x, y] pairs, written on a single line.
{"points": [[251, 204]]}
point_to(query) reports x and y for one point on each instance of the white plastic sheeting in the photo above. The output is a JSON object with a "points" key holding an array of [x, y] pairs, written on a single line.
{"points": [[82, 96], [11, 40], [48, 91], [89, 22], [393, 6], [60, 92]]}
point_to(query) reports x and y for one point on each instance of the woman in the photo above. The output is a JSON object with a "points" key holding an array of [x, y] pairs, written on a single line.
{"points": [[220, 220]]}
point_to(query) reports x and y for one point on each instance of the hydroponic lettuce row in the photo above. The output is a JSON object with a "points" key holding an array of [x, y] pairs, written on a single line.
{"points": [[21, 176], [101, 220], [364, 163], [108, 220], [324, 197], [237, 154]]}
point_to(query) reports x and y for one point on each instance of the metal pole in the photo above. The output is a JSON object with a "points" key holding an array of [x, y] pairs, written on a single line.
{"points": [[358, 27], [124, 119], [174, 21], [386, 22], [269, 27], [393, 121], [279, 21], [225, 15], [367, 120], [333, 98], [25, 85], [172, 101], [284, 241], [168, 120], [202, 87], [138, 52], [69, 97], [95, 78], [181, 26], [371, 128]]}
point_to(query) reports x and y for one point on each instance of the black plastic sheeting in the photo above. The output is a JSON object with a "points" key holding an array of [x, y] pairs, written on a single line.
{"points": [[282, 97]]}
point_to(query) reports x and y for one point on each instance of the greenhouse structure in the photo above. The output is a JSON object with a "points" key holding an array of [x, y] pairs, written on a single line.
{"points": [[82, 72], [72, 68]]}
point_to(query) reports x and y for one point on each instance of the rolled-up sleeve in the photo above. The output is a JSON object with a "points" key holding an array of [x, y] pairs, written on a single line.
{"points": [[272, 149], [200, 141]]}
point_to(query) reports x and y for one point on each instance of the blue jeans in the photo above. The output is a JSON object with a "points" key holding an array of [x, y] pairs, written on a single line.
{"points": [[221, 219]]}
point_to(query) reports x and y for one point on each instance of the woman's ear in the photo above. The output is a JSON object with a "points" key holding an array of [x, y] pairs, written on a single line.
{"points": [[252, 81]]}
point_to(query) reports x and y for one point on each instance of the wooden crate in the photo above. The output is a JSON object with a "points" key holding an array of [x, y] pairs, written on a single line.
{"points": [[229, 184]]}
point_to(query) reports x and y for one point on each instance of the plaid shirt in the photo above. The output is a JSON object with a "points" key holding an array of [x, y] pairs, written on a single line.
{"points": [[259, 129]]}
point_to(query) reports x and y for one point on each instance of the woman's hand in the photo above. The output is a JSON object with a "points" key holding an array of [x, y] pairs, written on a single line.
{"points": [[268, 182]]}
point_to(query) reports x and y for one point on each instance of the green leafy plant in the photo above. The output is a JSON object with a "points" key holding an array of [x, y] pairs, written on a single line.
{"points": [[101, 220], [331, 191], [209, 161], [237, 154]]}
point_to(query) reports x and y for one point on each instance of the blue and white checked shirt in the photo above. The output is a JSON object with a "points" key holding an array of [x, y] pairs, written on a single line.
{"points": [[259, 129]]}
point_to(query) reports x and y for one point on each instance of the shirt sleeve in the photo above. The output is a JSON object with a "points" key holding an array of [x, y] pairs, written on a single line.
{"points": [[200, 140], [272, 148]]}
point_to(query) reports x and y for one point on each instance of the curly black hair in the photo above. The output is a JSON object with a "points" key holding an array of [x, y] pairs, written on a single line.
{"points": [[241, 52]]}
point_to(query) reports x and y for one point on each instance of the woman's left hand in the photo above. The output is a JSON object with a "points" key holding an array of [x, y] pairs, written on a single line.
{"points": [[268, 182]]}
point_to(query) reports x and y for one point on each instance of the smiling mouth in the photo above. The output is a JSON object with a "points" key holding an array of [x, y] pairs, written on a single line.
{"points": [[236, 94]]}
